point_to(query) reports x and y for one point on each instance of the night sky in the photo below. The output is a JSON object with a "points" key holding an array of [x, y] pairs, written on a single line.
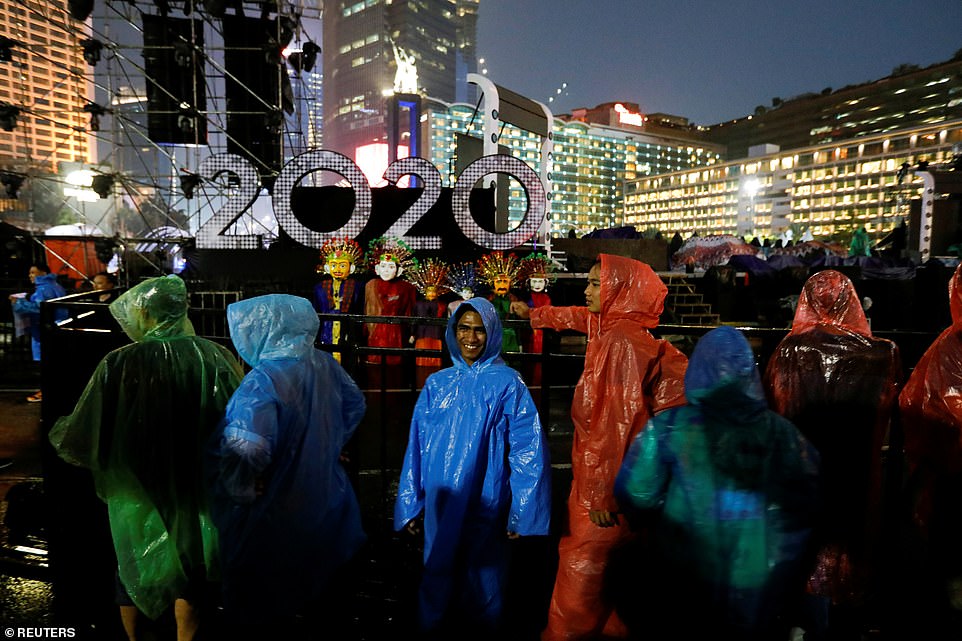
{"points": [[707, 61]]}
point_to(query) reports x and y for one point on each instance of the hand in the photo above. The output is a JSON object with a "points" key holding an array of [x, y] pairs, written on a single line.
{"points": [[520, 309], [513, 536], [603, 518], [414, 526]]}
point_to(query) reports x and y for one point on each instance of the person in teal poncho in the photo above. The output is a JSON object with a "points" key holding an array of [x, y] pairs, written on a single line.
{"points": [[860, 243], [477, 469], [729, 489], [286, 511], [141, 427]]}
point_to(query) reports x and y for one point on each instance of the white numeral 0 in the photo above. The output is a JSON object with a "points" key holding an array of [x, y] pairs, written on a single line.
{"points": [[533, 189]]}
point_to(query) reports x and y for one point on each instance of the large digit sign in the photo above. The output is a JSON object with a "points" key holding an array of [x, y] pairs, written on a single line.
{"points": [[213, 234]]}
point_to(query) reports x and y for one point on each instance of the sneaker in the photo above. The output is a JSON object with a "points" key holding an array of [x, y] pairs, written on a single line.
{"points": [[36, 397]]}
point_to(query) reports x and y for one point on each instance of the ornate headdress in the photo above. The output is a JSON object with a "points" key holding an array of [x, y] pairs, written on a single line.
{"points": [[462, 276], [392, 249], [430, 273], [340, 248], [497, 263], [537, 265]]}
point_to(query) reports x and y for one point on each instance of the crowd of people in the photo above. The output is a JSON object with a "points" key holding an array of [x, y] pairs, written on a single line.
{"points": [[707, 497]]}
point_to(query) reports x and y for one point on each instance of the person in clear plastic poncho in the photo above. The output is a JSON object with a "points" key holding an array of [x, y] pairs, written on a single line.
{"points": [[477, 468], [839, 384], [141, 426], [287, 513], [731, 493], [931, 408], [629, 375]]}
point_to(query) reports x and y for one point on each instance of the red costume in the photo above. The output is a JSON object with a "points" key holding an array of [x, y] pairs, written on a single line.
{"points": [[387, 298], [629, 376], [838, 384]]}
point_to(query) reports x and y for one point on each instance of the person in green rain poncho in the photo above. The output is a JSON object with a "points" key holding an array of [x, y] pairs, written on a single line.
{"points": [[141, 426]]}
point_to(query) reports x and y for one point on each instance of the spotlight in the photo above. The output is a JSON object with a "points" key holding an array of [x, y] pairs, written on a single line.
{"points": [[296, 61], [11, 183], [92, 50], [8, 116], [6, 48], [310, 51], [163, 6], [80, 9], [95, 111], [182, 53], [187, 120], [102, 184], [274, 121], [188, 183], [215, 8]]}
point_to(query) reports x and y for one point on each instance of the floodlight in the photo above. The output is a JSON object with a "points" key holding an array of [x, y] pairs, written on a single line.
{"points": [[11, 183], [92, 50], [310, 51], [102, 184], [188, 183], [8, 116]]}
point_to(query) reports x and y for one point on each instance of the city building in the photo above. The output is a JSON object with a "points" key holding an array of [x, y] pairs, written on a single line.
{"points": [[828, 189], [43, 90], [595, 152], [910, 97], [368, 42]]}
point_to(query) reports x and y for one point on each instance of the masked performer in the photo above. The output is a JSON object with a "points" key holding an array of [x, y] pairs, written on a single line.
{"points": [[338, 294], [500, 272], [463, 281], [388, 295], [430, 279]]}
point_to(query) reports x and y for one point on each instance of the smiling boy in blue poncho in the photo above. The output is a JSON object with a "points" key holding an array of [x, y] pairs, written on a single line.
{"points": [[477, 468]]}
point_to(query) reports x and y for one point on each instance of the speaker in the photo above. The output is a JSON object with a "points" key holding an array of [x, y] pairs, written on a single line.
{"points": [[176, 92], [255, 78]]}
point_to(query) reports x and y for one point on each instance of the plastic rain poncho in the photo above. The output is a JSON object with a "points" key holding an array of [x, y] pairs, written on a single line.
{"points": [[141, 427], [931, 405], [477, 467], [839, 384], [46, 287], [629, 375], [286, 511], [733, 487]]}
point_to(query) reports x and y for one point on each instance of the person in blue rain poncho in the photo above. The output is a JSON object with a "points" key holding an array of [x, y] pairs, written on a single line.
{"points": [[477, 468], [729, 489], [141, 427], [287, 514]]}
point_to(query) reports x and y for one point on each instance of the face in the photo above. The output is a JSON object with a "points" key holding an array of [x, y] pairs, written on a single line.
{"points": [[593, 290], [430, 292], [101, 283], [34, 272], [339, 268], [386, 269], [537, 284], [502, 284], [471, 336], [466, 293]]}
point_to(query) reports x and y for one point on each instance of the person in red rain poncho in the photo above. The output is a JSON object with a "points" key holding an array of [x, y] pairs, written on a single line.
{"points": [[931, 405], [839, 385], [629, 376]]}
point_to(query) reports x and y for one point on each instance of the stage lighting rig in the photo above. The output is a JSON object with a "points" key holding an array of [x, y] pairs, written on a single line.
{"points": [[95, 111], [102, 184], [11, 183], [8, 116], [188, 183], [92, 49]]}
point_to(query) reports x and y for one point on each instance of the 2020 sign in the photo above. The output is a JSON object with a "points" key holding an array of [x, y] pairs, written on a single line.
{"points": [[213, 233]]}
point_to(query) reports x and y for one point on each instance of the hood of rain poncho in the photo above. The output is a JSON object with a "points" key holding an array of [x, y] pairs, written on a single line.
{"points": [[492, 325], [272, 327], [722, 376], [155, 309], [829, 298], [630, 290]]}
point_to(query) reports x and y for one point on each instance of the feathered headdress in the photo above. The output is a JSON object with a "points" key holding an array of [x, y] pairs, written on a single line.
{"points": [[430, 273], [392, 249], [340, 248], [462, 276], [536, 265], [497, 264]]}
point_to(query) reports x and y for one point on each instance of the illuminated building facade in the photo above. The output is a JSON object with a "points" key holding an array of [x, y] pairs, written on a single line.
{"points": [[592, 160], [43, 86], [829, 189], [910, 97], [360, 60]]}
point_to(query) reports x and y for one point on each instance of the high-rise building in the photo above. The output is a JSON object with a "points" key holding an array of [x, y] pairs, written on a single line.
{"points": [[43, 89], [595, 152], [909, 97], [363, 41]]}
